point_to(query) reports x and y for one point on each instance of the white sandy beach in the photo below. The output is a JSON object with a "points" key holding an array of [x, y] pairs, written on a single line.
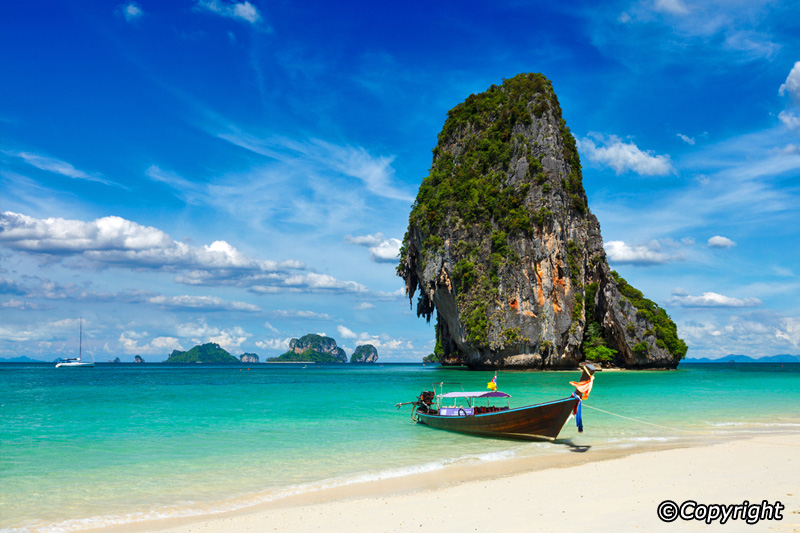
{"points": [[580, 493]]}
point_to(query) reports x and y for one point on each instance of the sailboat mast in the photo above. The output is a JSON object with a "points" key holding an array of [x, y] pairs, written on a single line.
{"points": [[80, 342]]}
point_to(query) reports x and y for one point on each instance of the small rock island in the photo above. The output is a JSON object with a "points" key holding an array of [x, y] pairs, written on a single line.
{"points": [[312, 348], [366, 353]]}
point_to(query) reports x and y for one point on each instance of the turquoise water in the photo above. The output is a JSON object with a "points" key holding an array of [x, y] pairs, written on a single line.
{"points": [[121, 443]]}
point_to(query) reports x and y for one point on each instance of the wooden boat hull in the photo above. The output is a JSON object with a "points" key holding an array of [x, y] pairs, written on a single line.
{"points": [[534, 422]]}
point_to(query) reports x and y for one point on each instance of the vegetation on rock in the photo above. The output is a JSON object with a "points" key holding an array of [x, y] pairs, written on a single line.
{"points": [[313, 348], [502, 245], [205, 353], [365, 353]]}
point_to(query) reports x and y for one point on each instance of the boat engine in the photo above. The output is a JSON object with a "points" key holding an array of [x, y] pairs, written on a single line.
{"points": [[425, 401]]}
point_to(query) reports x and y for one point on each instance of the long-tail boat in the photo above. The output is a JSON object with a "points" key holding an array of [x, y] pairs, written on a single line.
{"points": [[461, 411]]}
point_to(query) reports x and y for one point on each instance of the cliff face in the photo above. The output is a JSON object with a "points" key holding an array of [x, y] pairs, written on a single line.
{"points": [[366, 353], [502, 245]]}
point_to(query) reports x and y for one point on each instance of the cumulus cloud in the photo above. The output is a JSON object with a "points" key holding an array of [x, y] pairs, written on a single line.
{"points": [[382, 341], [200, 332], [206, 303], [711, 299], [718, 241], [622, 156], [650, 254], [237, 10], [322, 283], [381, 249], [131, 11], [789, 119], [685, 138], [755, 333], [131, 343], [789, 331], [346, 333], [279, 345], [792, 84], [115, 241]]}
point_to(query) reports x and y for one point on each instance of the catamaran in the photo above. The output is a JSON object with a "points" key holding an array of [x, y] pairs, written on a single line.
{"points": [[76, 361], [463, 411]]}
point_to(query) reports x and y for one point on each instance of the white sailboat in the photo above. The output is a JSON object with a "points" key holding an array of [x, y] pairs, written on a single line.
{"points": [[76, 361]]}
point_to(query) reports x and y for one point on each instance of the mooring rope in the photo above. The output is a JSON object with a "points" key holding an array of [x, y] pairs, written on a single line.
{"points": [[639, 421]]}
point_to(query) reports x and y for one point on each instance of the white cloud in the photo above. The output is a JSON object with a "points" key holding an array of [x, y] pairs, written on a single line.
{"points": [[792, 84], [375, 172], [685, 138], [132, 11], [711, 299], [114, 241], [322, 282], [281, 345], [381, 249], [57, 166], [611, 151], [755, 333], [380, 342], [363, 306], [237, 10], [346, 333], [718, 241], [366, 240], [208, 303], [675, 7], [789, 119], [129, 341], [310, 315], [650, 254], [201, 332], [231, 339], [790, 331]]}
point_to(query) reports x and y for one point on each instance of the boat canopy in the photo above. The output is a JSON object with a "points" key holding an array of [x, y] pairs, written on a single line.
{"points": [[478, 394]]}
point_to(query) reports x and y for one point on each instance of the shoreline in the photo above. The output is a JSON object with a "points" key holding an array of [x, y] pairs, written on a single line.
{"points": [[548, 487]]}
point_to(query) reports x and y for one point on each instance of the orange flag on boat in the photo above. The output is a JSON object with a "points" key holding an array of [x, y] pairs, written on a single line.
{"points": [[584, 387], [492, 384]]}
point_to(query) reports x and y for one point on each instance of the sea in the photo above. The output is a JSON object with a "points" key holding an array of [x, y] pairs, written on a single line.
{"points": [[123, 443]]}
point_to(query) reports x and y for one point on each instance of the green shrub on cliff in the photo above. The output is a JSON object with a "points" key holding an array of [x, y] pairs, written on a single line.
{"points": [[665, 329]]}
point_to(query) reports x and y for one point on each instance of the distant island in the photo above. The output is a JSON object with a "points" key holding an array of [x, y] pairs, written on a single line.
{"points": [[205, 353], [249, 358], [780, 358], [366, 353], [312, 348]]}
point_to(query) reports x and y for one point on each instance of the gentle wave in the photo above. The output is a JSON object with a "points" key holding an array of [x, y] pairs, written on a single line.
{"points": [[190, 509]]}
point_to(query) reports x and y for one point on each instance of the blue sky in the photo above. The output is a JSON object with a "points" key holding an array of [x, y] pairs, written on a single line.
{"points": [[242, 172]]}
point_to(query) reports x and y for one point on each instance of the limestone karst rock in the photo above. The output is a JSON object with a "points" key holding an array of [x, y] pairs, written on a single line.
{"points": [[501, 244], [365, 353]]}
